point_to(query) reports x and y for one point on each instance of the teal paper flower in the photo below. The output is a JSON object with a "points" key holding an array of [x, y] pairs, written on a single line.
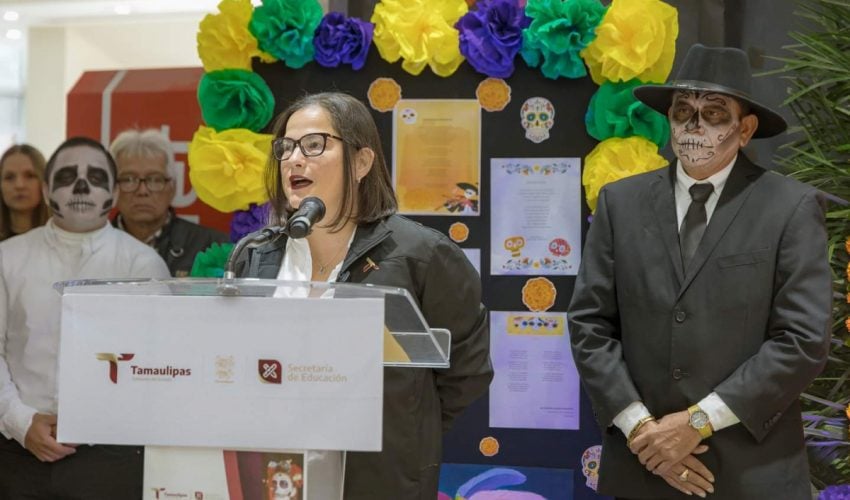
{"points": [[210, 263], [615, 112], [285, 28], [235, 98], [559, 30]]}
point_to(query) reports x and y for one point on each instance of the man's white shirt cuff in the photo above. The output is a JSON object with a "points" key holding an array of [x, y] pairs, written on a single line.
{"points": [[628, 418], [718, 413]]}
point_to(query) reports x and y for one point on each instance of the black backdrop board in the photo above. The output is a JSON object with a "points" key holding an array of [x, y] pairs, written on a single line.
{"points": [[502, 137]]}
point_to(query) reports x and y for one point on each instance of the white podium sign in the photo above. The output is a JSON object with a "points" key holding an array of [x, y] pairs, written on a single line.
{"points": [[222, 372]]}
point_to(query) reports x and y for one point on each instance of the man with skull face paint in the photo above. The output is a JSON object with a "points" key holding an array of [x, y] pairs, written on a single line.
{"points": [[76, 243], [702, 307]]}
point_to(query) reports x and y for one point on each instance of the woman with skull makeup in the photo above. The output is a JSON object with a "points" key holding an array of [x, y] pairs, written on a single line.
{"points": [[21, 178], [327, 145], [77, 242]]}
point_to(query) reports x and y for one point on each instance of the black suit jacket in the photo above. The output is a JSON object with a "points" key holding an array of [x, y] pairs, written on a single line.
{"points": [[748, 319]]}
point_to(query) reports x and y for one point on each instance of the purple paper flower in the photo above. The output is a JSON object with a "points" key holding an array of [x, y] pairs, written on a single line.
{"points": [[839, 492], [491, 36], [342, 40], [248, 221]]}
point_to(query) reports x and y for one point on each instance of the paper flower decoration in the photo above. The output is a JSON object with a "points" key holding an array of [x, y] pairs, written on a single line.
{"points": [[421, 32], [491, 36], [247, 221], [211, 262], [224, 41], [615, 112], [493, 94], [235, 98], [285, 28], [383, 93], [558, 32], [636, 39], [615, 159], [226, 168], [342, 40]]}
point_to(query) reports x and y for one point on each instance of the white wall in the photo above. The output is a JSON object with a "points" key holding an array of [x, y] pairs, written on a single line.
{"points": [[58, 56]]}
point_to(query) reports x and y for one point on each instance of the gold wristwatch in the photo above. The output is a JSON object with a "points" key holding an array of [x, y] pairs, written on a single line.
{"points": [[698, 419]]}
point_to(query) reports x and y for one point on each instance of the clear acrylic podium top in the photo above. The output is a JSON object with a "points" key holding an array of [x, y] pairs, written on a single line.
{"points": [[408, 341]]}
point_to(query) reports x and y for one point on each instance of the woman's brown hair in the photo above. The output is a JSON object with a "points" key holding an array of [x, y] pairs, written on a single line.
{"points": [[373, 195], [41, 213]]}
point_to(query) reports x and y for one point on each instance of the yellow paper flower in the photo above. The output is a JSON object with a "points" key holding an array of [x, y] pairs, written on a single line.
{"points": [[383, 93], [493, 94], [615, 159], [421, 32], [226, 168], [636, 39], [224, 41]]}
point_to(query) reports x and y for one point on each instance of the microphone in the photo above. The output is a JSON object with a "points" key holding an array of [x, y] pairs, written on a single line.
{"points": [[309, 212]]}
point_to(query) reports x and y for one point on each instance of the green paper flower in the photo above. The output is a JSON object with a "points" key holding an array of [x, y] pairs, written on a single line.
{"points": [[615, 112], [559, 30], [235, 98], [284, 29], [210, 263]]}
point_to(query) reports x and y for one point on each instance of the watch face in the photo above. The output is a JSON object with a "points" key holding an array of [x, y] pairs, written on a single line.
{"points": [[699, 419]]}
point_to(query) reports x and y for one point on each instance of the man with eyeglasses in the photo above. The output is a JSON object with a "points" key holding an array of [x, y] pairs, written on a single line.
{"points": [[146, 173]]}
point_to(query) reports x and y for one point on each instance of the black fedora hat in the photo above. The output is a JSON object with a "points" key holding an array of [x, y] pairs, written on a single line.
{"points": [[725, 70]]}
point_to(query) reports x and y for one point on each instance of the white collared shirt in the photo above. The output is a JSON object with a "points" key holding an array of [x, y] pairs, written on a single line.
{"points": [[297, 262], [684, 183], [30, 308]]}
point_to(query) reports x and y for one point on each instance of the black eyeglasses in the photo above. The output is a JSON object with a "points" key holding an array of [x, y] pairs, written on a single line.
{"points": [[154, 183], [310, 145]]}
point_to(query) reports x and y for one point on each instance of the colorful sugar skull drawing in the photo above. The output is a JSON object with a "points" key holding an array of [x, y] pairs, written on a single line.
{"points": [[538, 117]]}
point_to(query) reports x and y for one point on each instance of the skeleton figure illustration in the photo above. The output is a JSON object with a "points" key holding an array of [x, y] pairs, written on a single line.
{"points": [[80, 189], [464, 199]]}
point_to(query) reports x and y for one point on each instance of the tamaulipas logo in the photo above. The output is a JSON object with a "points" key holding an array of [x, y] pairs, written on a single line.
{"points": [[140, 372], [113, 360]]}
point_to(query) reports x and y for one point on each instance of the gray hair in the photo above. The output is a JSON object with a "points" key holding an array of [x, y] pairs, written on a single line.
{"points": [[149, 143]]}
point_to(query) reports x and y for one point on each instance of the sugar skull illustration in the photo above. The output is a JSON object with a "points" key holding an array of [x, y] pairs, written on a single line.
{"points": [[538, 117], [559, 247], [590, 465], [514, 245], [283, 480], [408, 116]]}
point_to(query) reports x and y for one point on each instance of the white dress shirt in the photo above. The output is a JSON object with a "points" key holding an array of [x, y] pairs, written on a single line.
{"points": [[297, 262], [719, 414], [30, 308]]}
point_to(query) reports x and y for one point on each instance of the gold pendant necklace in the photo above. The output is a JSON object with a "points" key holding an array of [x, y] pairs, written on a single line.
{"points": [[324, 266]]}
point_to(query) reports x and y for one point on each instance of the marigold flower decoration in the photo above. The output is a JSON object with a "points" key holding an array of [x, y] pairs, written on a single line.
{"points": [[847, 245], [421, 32], [383, 94], [615, 159], [493, 94], [285, 29], [226, 168], [558, 32], [636, 39], [224, 41]]}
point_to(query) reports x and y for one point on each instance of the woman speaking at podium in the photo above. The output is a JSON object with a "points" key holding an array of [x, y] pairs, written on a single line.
{"points": [[327, 146]]}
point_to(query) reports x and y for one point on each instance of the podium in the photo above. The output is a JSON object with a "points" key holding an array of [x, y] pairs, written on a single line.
{"points": [[243, 364]]}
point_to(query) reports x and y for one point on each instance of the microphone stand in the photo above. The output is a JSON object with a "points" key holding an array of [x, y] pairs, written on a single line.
{"points": [[253, 240]]}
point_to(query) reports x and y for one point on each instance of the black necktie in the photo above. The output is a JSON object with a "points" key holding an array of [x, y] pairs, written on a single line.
{"points": [[694, 222]]}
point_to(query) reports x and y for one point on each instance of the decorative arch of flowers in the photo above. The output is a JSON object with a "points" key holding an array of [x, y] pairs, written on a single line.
{"points": [[628, 43]]}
